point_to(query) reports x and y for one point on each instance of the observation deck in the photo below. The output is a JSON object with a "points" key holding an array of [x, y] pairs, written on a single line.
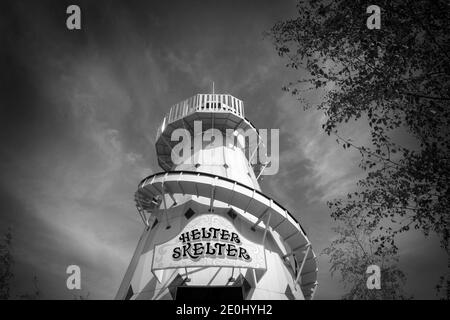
{"points": [[218, 111]]}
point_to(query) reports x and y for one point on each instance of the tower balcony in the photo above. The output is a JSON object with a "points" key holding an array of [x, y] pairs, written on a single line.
{"points": [[218, 111], [217, 103]]}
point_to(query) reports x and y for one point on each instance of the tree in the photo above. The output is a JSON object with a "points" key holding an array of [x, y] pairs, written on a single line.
{"points": [[353, 251], [35, 295], [6, 272], [397, 79], [6, 262], [443, 287]]}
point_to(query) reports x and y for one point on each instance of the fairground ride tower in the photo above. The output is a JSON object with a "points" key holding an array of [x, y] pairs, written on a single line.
{"points": [[210, 232]]}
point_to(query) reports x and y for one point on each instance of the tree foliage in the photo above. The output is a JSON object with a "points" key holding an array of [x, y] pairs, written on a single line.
{"points": [[6, 272], [6, 262], [397, 79], [353, 251], [35, 295], [443, 287]]}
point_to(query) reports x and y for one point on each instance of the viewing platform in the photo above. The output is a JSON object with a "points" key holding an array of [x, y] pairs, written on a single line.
{"points": [[218, 111]]}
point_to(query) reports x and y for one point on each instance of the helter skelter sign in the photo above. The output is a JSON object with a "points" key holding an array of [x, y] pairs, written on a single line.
{"points": [[208, 241]]}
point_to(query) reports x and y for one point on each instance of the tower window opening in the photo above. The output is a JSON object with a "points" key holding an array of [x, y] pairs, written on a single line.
{"points": [[189, 213], [232, 214]]}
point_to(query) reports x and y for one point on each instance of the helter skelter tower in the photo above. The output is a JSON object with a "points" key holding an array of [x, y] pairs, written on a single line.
{"points": [[210, 232]]}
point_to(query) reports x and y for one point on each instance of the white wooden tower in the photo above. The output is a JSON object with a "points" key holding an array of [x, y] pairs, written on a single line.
{"points": [[210, 233]]}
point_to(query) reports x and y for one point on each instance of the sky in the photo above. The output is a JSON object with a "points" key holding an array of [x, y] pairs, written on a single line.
{"points": [[79, 112]]}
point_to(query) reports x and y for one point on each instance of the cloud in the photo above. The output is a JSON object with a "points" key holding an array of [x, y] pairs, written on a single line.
{"points": [[80, 112], [328, 170]]}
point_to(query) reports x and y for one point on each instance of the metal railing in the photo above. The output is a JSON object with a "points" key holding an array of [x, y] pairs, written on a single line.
{"points": [[203, 103]]}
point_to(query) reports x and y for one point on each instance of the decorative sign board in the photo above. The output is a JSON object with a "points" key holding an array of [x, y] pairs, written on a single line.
{"points": [[208, 240]]}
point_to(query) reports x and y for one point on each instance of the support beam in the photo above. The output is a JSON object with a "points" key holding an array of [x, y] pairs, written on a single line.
{"points": [[230, 199], [186, 279], [165, 163], [213, 194], [187, 127], [250, 201], [309, 283], [261, 217], [179, 185], [196, 189], [290, 236], [295, 249], [312, 271], [232, 279], [170, 193], [165, 204], [166, 142], [238, 125], [265, 230], [141, 212], [299, 272], [254, 151], [314, 290], [265, 165]]}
